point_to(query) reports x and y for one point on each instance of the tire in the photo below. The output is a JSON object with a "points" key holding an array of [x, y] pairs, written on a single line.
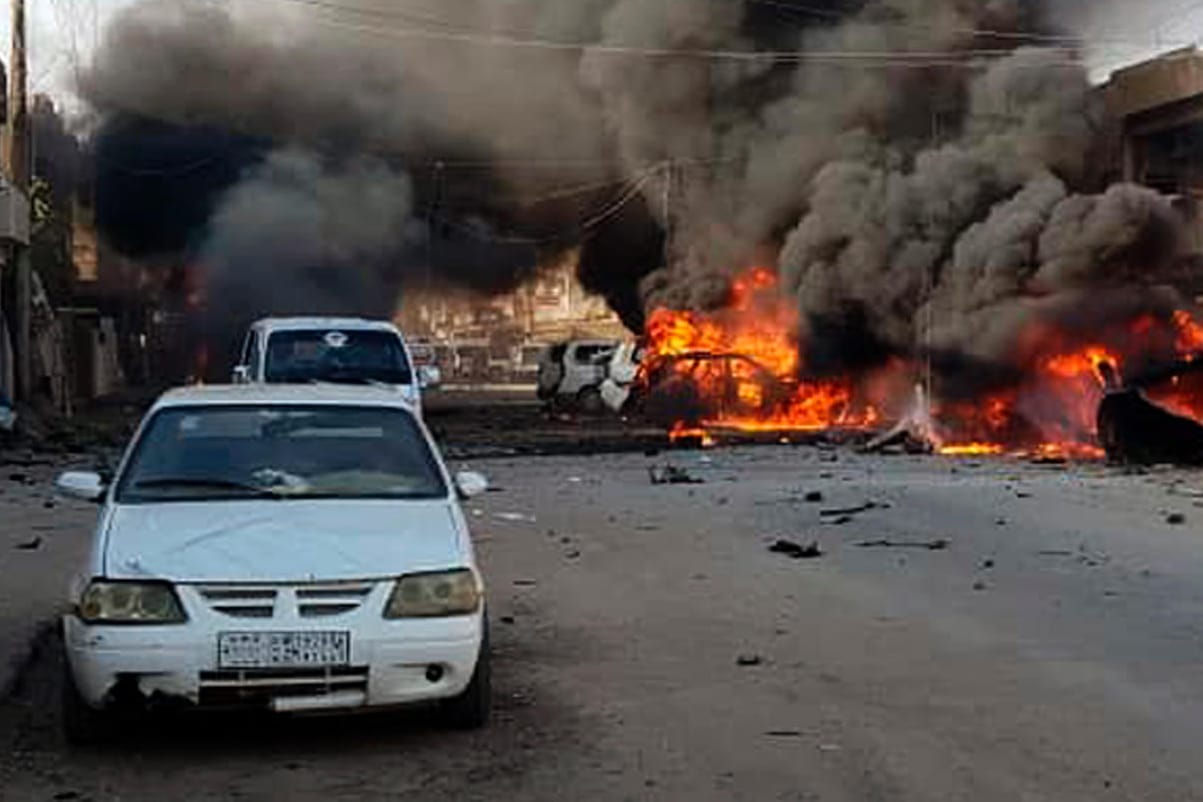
{"points": [[549, 379], [589, 401], [82, 724], [470, 710]]}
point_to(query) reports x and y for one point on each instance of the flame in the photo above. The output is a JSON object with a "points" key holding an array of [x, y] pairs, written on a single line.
{"points": [[972, 450], [1190, 333], [742, 370], [744, 362]]}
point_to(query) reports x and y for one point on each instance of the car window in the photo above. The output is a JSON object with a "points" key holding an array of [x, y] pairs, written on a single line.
{"points": [[297, 357], [192, 453], [586, 354]]}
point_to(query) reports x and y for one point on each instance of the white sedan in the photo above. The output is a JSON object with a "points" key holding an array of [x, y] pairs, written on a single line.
{"points": [[288, 548]]}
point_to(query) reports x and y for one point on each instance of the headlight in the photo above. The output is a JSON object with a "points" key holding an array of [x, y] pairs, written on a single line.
{"points": [[435, 595], [130, 603]]}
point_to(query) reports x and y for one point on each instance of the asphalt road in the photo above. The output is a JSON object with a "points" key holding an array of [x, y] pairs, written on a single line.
{"points": [[1051, 651]]}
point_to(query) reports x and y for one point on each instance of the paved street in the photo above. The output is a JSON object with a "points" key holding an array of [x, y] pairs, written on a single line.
{"points": [[1050, 652]]}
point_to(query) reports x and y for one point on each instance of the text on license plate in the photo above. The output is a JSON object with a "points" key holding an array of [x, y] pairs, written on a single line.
{"points": [[283, 649]]}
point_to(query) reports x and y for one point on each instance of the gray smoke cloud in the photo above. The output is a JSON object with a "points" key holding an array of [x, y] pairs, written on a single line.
{"points": [[889, 191], [314, 237]]}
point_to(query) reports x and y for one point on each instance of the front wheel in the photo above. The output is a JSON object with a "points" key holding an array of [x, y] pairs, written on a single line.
{"points": [[82, 724], [470, 710], [589, 401]]}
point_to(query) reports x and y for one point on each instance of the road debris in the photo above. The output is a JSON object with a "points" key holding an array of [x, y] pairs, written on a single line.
{"points": [[30, 545], [525, 583], [813, 497], [784, 733], [939, 544], [1175, 519], [748, 660], [515, 517], [796, 551], [672, 475], [979, 585], [840, 512]]}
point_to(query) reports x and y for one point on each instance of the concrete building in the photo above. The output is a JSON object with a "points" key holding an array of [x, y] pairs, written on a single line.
{"points": [[500, 338], [1154, 112]]}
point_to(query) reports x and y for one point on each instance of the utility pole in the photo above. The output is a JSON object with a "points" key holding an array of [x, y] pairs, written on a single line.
{"points": [[19, 168]]}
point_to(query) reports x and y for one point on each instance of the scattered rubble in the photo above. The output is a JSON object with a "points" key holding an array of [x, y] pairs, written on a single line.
{"points": [[797, 551], [672, 475], [857, 510], [939, 544]]}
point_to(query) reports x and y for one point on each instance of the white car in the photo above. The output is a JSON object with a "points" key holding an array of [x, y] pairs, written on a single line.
{"points": [[305, 350], [571, 373], [282, 547]]}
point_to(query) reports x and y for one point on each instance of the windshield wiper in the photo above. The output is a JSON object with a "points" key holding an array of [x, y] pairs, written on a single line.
{"points": [[166, 483]]}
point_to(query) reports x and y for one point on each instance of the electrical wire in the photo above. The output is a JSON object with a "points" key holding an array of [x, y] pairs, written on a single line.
{"points": [[490, 39], [632, 188]]}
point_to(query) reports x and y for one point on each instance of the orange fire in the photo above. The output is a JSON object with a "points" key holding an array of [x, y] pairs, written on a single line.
{"points": [[741, 366], [740, 369]]}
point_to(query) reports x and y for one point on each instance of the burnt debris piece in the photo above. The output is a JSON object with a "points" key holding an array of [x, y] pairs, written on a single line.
{"points": [[843, 512], [939, 544], [1136, 431], [797, 551]]}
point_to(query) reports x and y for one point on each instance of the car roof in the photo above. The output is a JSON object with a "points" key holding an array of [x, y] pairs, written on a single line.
{"points": [[271, 324], [283, 394]]}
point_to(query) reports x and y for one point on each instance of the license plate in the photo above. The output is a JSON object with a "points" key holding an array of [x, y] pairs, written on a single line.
{"points": [[283, 649]]}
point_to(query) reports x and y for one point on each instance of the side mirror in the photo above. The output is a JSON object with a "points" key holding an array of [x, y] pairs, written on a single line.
{"points": [[470, 484], [241, 375], [428, 377], [83, 485]]}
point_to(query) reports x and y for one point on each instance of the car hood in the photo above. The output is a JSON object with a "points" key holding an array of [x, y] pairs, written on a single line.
{"points": [[281, 541]]}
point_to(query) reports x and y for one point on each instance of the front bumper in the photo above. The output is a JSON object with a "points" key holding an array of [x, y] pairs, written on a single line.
{"points": [[392, 663]]}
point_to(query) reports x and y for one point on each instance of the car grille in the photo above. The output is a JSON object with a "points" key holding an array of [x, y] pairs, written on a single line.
{"points": [[318, 600], [241, 602], [260, 687]]}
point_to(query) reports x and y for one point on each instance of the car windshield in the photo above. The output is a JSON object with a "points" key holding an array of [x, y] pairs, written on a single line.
{"points": [[281, 452], [352, 357]]}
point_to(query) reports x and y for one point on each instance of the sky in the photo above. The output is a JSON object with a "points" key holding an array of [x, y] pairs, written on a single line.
{"points": [[64, 33]]}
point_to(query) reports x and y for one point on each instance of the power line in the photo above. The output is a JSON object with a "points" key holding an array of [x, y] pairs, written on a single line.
{"points": [[490, 39], [1017, 36], [631, 190], [527, 38]]}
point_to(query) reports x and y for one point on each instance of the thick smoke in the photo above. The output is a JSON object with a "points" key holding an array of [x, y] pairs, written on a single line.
{"points": [[912, 170]]}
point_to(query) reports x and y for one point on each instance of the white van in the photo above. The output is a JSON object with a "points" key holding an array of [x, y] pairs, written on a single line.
{"points": [[329, 350]]}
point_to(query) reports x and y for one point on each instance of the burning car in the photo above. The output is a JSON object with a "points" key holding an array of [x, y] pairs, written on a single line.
{"points": [[696, 387]]}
